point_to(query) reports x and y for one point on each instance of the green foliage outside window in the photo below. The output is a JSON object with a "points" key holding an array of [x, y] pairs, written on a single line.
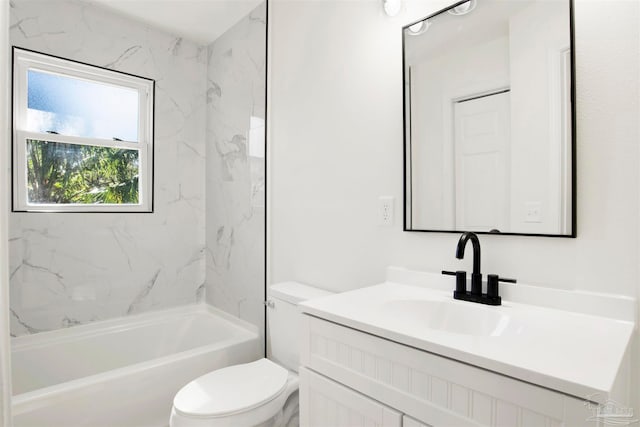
{"points": [[81, 174]]}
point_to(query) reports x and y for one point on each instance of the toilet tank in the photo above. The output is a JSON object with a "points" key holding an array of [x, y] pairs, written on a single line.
{"points": [[283, 324]]}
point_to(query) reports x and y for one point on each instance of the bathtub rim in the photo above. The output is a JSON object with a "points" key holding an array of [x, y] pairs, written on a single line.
{"points": [[27, 401], [27, 341]]}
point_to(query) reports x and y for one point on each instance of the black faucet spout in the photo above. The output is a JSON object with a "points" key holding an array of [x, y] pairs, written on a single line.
{"points": [[492, 296], [475, 242]]}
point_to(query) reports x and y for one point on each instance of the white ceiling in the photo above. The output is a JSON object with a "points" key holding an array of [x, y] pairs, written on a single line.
{"points": [[201, 21]]}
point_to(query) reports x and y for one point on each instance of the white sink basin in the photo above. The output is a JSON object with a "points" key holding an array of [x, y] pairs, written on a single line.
{"points": [[452, 317], [575, 353]]}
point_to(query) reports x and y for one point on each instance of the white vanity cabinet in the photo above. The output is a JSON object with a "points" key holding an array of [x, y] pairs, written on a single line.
{"points": [[351, 378]]}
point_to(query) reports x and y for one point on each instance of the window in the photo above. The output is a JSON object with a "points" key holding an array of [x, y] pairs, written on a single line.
{"points": [[82, 137]]}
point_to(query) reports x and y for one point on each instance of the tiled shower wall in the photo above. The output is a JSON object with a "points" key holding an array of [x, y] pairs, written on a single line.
{"points": [[68, 269], [235, 175], [75, 268]]}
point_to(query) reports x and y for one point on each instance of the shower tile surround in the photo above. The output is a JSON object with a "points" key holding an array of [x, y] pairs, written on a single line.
{"points": [[68, 269]]}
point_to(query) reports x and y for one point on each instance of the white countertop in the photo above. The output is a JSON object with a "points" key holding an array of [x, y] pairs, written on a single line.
{"points": [[574, 353]]}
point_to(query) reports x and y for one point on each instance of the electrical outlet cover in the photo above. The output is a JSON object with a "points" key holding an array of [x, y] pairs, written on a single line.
{"points": [[385, 210], [533, 212]]}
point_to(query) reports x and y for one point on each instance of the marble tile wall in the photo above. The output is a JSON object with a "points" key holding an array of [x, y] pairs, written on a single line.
{"points": [[68, 269], [235, 175]]}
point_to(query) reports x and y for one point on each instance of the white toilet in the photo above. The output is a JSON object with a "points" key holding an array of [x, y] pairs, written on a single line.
{"points": [[252, 394]]}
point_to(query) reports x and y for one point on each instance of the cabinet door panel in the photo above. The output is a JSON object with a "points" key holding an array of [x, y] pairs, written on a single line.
{"points": [[325, 403]]}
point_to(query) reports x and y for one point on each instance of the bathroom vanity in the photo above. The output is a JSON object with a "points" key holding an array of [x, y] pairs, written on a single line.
{"points": [[404, 353]]}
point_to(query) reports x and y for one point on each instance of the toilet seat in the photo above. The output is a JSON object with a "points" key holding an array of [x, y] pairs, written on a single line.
{"points": [[232, 390]]}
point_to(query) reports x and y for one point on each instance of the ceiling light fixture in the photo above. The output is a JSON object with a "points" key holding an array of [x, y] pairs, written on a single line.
{"points": [[463, 8], [419, 27], [392, 7]]}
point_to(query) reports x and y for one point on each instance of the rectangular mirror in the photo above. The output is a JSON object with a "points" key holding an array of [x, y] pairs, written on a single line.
{"points": [[490, 119]]}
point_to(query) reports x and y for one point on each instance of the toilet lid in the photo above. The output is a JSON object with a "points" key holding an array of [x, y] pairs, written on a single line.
{"points": [[230, 390]]}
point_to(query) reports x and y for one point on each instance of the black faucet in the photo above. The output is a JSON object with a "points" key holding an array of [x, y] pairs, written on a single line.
{"points": [[476, 276], [476, 295]]}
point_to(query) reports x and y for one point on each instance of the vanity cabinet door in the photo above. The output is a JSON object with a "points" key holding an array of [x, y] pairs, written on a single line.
{"points": [[325, 403]]}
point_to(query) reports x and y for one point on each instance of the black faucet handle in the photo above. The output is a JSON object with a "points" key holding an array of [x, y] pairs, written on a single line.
{"points": [[492, 284], [461, 280]]}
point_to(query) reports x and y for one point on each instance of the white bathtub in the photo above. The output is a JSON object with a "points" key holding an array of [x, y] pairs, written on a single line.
{"points": [[123, 372]]}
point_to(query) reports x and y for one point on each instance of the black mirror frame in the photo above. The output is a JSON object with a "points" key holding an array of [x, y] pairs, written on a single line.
{"points": [[406, 141]]}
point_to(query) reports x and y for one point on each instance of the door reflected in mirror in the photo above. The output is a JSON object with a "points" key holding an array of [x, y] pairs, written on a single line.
{"points": [[489, 119]]}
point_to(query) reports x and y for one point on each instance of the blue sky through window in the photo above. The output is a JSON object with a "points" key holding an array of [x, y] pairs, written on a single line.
{"points": [[78, 107]]}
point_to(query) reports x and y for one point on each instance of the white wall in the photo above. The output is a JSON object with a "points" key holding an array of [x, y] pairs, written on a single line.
{"points": [[75, 268]]}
